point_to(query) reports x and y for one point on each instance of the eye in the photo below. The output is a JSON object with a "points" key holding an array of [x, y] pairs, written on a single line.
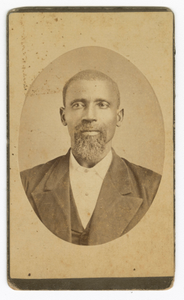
{"points": [[77, 105], [103, 104]]}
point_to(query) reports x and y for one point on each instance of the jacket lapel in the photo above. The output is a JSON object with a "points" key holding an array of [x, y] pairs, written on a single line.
{"points": [[115, 208], [116, 205], [52, 198]]}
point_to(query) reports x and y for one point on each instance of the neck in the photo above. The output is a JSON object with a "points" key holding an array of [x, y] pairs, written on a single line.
{"points": [[91, 163]]}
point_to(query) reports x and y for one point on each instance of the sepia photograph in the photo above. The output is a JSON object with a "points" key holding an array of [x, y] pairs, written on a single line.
{"points": [[90, 195], [91, 147]]}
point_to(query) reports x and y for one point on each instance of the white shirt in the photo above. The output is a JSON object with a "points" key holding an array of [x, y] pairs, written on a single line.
{"points": [[86, 184]]}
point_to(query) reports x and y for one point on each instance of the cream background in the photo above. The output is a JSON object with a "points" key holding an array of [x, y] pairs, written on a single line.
{"points": [[145, 39]]}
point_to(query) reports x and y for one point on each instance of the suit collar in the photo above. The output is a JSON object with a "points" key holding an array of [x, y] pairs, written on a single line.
{"points": [[119, 175], [118, 170], [115, 208], [116, 205], [58, 172], [52, 199]]}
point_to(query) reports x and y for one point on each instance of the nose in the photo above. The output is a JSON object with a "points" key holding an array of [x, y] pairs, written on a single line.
{"points": [[90, 113]]}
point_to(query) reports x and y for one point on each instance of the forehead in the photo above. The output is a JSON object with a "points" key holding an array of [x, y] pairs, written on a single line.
{"points": [[91, 89]]}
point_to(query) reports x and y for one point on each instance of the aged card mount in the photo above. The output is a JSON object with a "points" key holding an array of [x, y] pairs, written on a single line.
{"points": [[91, 203]]}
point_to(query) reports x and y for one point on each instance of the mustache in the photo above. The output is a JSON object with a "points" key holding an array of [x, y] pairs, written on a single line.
{"points": [[88, 126]]}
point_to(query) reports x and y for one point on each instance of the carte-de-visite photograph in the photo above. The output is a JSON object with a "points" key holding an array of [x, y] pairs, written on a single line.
{"points": [[91, 193], [92, 137]]}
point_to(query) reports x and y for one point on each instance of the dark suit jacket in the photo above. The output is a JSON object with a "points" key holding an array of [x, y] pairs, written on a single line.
{"points": [[126, 194]]}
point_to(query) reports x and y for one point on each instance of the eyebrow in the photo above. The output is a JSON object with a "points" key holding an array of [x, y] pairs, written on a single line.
{"points": [[78, 100], [84, 101], [102, 100]]}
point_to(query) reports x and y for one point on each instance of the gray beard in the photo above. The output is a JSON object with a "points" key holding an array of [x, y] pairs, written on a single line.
{"points": [[89, 147]]}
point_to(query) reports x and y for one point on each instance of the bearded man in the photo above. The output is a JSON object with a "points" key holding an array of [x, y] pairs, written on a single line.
{"points": [[90, 196]]}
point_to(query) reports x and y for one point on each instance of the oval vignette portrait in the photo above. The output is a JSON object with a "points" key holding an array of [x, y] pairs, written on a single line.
{"points": [[91, 146]]}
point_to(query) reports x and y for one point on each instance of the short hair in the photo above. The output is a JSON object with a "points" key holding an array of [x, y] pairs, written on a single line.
{"points": [[90, 75]]}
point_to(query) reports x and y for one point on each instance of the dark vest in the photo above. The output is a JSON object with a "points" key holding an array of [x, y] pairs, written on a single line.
{"points": [[79, 234]]}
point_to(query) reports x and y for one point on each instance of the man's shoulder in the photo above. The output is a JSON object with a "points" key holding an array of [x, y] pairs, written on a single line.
{"points": [[141, 172], [34, 175], [41, 167], [143, 179]]}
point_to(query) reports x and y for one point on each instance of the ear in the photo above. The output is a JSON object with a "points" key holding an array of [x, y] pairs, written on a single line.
{"points": [[120, 116], [62, 115]]}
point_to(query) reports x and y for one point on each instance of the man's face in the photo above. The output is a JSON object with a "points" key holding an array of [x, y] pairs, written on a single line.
{"points": [[91, 111]]}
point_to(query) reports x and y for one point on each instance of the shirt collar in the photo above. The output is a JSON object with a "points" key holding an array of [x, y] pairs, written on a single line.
{"points": [[100, 168]]}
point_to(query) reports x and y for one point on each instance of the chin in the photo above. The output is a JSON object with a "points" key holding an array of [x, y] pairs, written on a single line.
{"points": [[89, 147]]}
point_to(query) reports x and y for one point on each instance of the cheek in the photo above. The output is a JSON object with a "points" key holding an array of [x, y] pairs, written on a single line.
{"points": [[71, 119], [110, 121], [110, 125]]}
